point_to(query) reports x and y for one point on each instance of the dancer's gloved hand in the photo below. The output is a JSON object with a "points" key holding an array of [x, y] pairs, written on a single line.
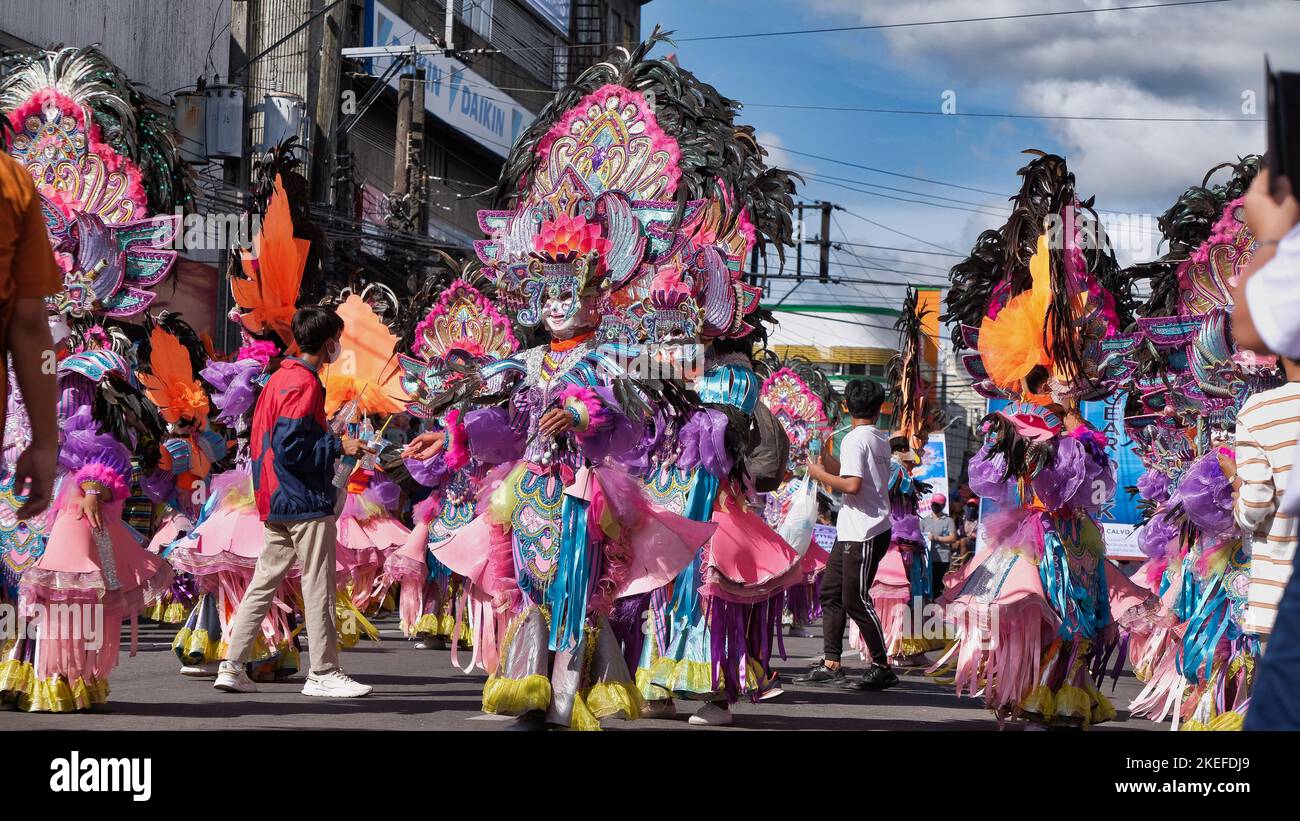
{"points": [[88, 509], [425, 446]]}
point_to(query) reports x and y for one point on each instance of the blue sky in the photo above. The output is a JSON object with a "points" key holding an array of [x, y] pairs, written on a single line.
{"points": [[1195, 61]]}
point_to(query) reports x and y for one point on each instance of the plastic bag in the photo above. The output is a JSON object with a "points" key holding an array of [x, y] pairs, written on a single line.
{"points": [[797, 526]]}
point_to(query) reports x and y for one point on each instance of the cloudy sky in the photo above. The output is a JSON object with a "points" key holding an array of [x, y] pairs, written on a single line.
{"points": [[1192, 61]]}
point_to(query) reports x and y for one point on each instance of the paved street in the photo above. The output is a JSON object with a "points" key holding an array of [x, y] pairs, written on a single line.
{"points": [[419, 690]]}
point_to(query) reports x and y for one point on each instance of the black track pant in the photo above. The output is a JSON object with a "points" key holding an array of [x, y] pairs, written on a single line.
{"points": [[846, 590]]}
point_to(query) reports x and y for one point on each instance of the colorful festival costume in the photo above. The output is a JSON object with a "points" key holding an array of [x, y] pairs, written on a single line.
{"points": [[103, 157], [1041, 606]]}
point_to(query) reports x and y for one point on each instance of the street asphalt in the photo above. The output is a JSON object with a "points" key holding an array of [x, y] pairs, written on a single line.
{"points": [[418, 689]]}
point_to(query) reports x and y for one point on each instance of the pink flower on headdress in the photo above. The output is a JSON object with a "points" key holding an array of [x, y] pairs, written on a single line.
{"points": [[668, 290], [566, 238]]}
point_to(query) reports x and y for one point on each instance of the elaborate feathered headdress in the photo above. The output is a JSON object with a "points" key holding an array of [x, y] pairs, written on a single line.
{"points": [[653, 158], [104, 157], [1034, 299], [458, 334], [367, 369], [914, 415]]}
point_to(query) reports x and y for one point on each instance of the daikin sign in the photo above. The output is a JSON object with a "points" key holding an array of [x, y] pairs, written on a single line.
{"points": [[453, 93]]}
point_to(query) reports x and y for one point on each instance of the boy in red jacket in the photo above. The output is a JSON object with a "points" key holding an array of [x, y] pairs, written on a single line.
{"points": [[293, 456]]}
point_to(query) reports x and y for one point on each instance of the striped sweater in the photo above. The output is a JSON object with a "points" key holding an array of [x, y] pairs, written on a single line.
{"points": [[1267, 427]]}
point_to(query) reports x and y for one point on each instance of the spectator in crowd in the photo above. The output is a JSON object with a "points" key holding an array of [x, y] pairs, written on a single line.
{"points": [[1266, 319], [1267, 428], [967, 532], [941, 531], [862, 536]]}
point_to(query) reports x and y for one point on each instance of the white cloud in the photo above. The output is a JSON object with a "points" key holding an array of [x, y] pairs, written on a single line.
{"points": [[1191, 61]]}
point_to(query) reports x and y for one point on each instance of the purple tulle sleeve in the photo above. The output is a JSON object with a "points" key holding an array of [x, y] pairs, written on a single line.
{"points": [[428, 472], [704, 443], [986, 476], [492, 439], [616, 436], [1207, 496], [1156, 535], [1154, 486], [233, 391], [84, 445], [1058, 484]]}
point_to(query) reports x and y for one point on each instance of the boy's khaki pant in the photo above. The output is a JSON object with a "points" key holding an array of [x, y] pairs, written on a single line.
{"points": [[312, 542]]}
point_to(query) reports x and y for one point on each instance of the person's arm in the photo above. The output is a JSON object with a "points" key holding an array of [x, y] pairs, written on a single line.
{"points": [[1257, 327], [1252, 478], [847, 475], [35, 276], [31, 349]]}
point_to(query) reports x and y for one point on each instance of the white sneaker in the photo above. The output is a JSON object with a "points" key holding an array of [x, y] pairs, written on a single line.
{"points": [[710, 715], [660, 708], [772, 692], [232, 678], [206, 670], [334, 684]]}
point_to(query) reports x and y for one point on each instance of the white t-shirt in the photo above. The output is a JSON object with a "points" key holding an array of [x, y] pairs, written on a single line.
{"points": [[864, 452]]}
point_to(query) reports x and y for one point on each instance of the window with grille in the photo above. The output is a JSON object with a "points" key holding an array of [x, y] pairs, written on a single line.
{"points": [[477, 14]]}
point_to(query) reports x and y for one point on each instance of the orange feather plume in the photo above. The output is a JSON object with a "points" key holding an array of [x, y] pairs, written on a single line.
{"points": [[367, 366], [1014, 342], [273, 272], [172, 386]]}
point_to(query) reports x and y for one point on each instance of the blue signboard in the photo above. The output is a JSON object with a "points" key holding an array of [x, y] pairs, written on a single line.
{"points": [[1119, 517], [555, 12]]}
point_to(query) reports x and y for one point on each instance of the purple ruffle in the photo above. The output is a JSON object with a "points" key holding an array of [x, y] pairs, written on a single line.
{"points": [[233, 389], [986, 476], [1156, 535], [616, 438], [1059, 483], [1153, 486], [383, 492], [1207, 496], [704, 443], [83, 445], [428, 472], [906, 527], [492, 440]]}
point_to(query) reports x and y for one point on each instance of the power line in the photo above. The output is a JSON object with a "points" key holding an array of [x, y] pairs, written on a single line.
{"points": [[905, 199], [870, 221], [876, 26], [892, 173], [906, 250], [1005, 115], [899, 190]]}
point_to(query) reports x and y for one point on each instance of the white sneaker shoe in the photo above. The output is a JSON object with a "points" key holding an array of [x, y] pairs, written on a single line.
{"points": [[660, 708], [232, 678], [334, 684], [207, 670], [710, 715]]}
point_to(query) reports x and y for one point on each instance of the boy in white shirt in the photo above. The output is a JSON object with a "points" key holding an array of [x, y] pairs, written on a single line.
{"points": [[861, 474]]}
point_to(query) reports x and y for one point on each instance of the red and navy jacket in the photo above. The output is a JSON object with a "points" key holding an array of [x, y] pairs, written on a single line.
{"points": [[293, 451]]}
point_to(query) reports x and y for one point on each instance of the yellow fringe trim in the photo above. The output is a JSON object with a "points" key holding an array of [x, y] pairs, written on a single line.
{"points": [[648, 689], [908, 646], [19, 685], [685, 676], [611, 697], [351, 622], [190, 645], [506, 696], [167, 612], [1230, 721]]}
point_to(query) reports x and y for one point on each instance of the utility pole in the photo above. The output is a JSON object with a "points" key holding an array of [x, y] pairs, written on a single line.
{"points": [[407, 211], [822, 240], [328, 101], [824, 267]]}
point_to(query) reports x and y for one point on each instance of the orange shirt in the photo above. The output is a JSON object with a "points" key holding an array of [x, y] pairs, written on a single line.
{"points": [[27, 266]]}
